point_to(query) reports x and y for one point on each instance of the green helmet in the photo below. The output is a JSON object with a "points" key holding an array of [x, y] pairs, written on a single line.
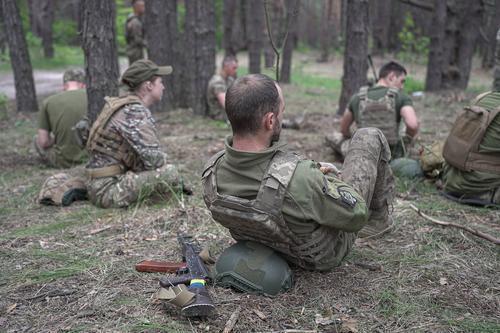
{"points": [[406, 167], [254, 268]]}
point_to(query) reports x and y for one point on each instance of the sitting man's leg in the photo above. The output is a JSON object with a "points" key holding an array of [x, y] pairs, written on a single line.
{"points": [[338, 143], [124, 190], [366, 169]]}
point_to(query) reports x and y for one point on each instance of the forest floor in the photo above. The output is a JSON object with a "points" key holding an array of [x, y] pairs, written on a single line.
{"points": [[71, 269]]}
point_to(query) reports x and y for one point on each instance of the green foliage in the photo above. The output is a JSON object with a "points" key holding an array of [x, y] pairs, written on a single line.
{"points": [[65, 32], [412, 85], [122, 12], [413, 44], [3, 107]]}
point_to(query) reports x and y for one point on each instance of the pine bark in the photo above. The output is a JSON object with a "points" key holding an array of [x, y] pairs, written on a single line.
{"points": [[496, 73], [327, 30], [380, 25], [199, 51], [101, 58], [255, 34], [41, 20], [356, 50], [19, 57], [435, 64], [292, 9], [229, 12], [162, 37]]}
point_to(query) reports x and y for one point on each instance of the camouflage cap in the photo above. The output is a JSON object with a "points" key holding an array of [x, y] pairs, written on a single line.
{"points": [[74, 75], [143, 70]]}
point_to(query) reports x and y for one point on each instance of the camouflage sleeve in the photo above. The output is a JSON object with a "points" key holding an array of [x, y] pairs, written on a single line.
{"points": [[139, 129], [43, 117], [325, 200], [135, 33]]}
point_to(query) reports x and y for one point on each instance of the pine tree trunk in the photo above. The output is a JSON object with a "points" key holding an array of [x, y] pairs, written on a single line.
{"points": [[496, 73], [255, 33], [19, 57], [161, 32], [433, 79], [292, 9], [229, 12], [356, 50], [380, 25], [3, 36], [41, 20], [200, 50], [326, 30], [493, 14], [101, 58]]}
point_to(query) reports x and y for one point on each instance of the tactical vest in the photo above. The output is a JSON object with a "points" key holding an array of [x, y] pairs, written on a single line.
{"points": [[261, 220], [130, 17], [461, 148], [104, 141], [380, 114]]}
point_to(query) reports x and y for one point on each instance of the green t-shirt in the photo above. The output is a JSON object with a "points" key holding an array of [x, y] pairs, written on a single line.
{"points": [[59, 113], [377, 92], [312, 199], [475, 181]]}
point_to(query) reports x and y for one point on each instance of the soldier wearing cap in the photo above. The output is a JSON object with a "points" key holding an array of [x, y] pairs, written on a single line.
{"points": [[55, 143], [126, 160]]}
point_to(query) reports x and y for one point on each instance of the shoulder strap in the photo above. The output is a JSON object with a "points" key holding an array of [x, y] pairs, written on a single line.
{"points": [[112, 104], [363, 93], [212, 162], [275, 182], [480, 97], [392, 92]]}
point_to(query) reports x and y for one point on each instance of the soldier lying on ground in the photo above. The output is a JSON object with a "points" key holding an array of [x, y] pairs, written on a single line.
{"points": [[382, 106], [55, 143], [261, 192], [472, 153], [126, 160]]}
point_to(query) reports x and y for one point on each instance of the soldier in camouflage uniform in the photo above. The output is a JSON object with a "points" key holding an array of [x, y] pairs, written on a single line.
{"points": [[263, 193], [382, 106], [126, 162], [55, 142], [217, 87], [134, 32]]}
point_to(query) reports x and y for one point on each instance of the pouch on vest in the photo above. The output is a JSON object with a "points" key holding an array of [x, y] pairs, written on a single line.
{"points": [[461, 147], [81, 131]]}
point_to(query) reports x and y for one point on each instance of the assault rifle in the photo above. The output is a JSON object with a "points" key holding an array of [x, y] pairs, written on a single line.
{"points": [[370, 62], [193, 300]]}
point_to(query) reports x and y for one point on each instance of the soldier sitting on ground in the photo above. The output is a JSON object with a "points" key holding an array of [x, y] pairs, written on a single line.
{"points": [[263, 193], [134, 32], [55, 142], [382, 106], [472, 153], [217, 87], [126, 160]]}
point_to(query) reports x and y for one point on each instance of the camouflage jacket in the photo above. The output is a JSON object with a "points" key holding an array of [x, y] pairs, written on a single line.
{"points": [[217, 85]]}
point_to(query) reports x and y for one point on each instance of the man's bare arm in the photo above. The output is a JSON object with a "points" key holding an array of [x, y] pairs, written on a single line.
{"points": [[410, 119], [345, 123], [221, 97], [43, 139]]}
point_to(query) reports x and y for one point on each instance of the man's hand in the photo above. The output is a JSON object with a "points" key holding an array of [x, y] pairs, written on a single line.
{"points": [[326, 168]]}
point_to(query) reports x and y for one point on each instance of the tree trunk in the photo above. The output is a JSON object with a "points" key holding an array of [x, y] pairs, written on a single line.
{"points": [[462, 32], [162, 32], [380, 25], [200, 50], [41, 19], [101, 59], [292, 10], [3, 36], [356, 50], [327, 30], [277, 18], [255, 34], [496, 74], [19, 57], [229, 12], [433, 79]]}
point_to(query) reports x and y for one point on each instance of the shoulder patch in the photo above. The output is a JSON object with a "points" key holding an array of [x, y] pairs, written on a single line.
{"points": [[347, 197]]}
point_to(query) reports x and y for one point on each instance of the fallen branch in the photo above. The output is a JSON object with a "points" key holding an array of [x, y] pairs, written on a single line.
{"points": [[232, 321], [477, 233]]}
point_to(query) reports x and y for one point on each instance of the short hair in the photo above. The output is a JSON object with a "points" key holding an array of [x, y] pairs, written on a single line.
{"points": [[391, 67], [247, 101], [229, 59]]}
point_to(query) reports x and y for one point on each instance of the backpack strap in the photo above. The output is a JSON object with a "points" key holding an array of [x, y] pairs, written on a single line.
{"points": [[480, 97], [363, 93]]}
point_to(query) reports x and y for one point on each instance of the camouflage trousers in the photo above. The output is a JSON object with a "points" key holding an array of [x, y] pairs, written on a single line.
{"points": [[366, 168], [125, 189], [134, 53]]}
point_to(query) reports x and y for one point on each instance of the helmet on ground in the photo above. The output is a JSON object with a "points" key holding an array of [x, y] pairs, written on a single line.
{"points": [[254, 268], [406, 167]]}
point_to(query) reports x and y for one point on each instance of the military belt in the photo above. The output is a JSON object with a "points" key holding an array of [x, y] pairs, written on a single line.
{"points": [[107, 171]]}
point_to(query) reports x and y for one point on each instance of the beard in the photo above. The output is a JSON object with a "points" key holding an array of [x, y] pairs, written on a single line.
{"points": [[276, 132]]}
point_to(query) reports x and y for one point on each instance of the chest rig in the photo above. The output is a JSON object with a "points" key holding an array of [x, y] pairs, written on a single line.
{"points": [[261, 219], [380, 114], [102, 139]]}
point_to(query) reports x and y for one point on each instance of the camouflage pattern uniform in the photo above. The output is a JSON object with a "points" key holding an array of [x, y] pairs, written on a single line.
{"points": [[147, 172], [319, 215], [134, 36], [217, 85]]}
